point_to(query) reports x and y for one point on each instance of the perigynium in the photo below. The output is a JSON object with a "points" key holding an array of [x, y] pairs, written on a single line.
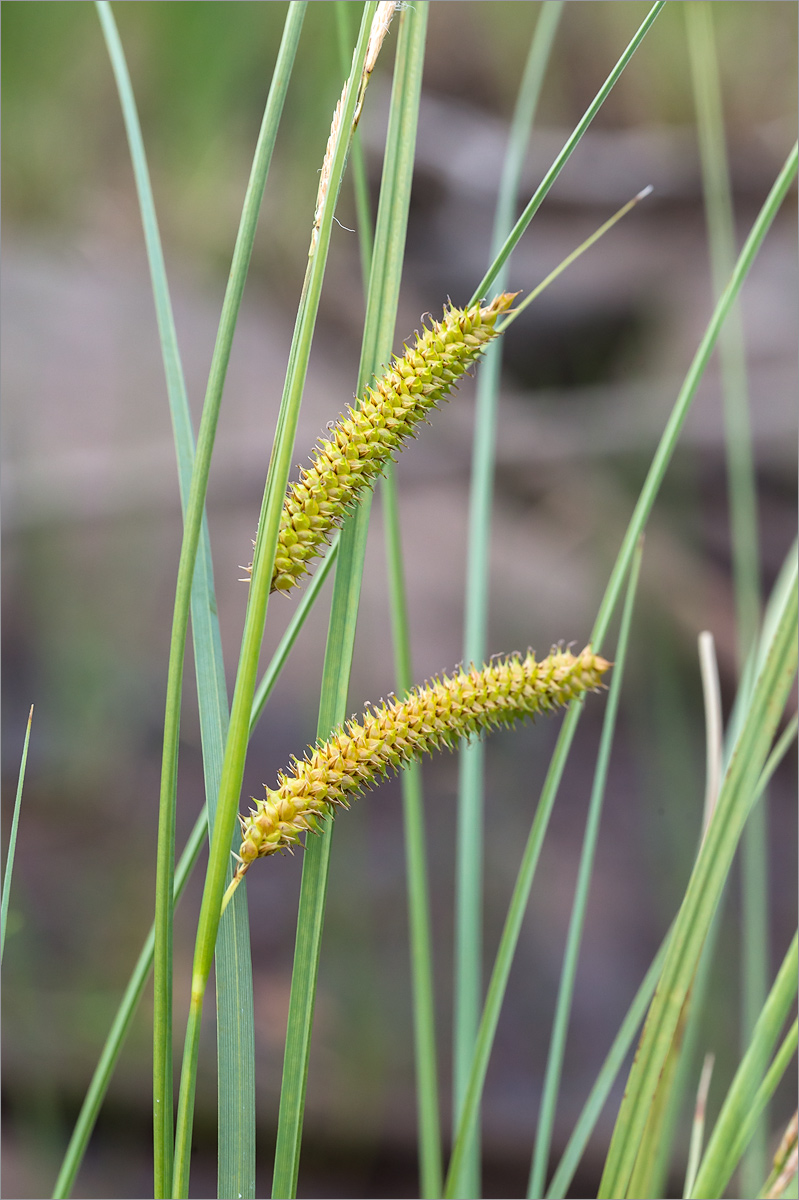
{"points": [[363, 441], [360, 754]]}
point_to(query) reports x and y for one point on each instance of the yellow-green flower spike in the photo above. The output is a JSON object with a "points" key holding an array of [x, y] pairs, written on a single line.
{"points": [[361, 753], [362, 442]]}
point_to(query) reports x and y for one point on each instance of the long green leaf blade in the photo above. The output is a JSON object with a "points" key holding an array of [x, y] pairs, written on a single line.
{"points": [[668, 441], [702, 896], [741, 1111], [378, 336], [234, 982], [263, 559], [742, 492], [557, 1046], [133, 992], [469, 844], [541, 192]]}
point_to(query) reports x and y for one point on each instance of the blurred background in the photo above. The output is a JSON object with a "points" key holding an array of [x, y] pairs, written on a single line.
{"points": [[92, 531]]}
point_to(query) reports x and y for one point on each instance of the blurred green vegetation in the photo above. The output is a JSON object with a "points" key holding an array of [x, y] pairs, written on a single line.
{"points": [[201, 71]]}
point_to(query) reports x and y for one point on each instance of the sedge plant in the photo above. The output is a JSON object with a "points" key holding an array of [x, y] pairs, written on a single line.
{"points": [[317, 526]]}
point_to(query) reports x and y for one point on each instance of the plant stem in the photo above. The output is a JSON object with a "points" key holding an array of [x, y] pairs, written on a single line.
{"points": [[263, 559]]}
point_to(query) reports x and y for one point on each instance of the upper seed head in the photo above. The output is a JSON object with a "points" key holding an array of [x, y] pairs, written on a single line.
{"points": [[396, 403]]}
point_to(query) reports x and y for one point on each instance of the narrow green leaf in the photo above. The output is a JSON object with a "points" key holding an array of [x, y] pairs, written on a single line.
{"points": [[377, 340], [538, 197], [513, 922], [132, 995], [419, 916], [742, 492], [698, 1123], [746, 1098], [702, 897], [610, 1068], [469, 844], [263, 559], [234, 983], [557, 1045]]}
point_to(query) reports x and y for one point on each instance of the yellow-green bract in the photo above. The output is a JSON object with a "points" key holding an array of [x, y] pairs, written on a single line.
{"points": [[357, 756], [361, 443]]}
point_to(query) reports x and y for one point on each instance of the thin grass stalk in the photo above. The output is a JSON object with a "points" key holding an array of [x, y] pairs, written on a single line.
{"points": [[109, 1055], [469, 850], [668, 441], [284, 647], [378, 335], [560, 162], [622, 1043], [12, 837], [742, 491], [419, 918], [702, 896], [652, 1162], [236, 1082], [741, 1111], [597, 1097], [635, 1015], [650, 1172], [557, 1043], [720, 218], [255, 618]]}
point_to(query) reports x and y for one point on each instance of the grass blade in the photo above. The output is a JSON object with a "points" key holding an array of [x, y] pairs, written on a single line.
{"points": [[263, 559], [557, 1045], [419, 918], [12, 837], [600, 1091], [378, 336], [236, 1083], [538, 197], [702, 897], [657, 470], [741, 486], [469, 851], [133, 992], [747, 1096]]}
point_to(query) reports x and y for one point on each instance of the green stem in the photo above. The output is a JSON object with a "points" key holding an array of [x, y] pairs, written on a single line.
{"points": [[752, 1086], [419, 917], [469, 853], [643, 508], [565, 154], [742, 492], [557, 1045], [378, 335], [132, 995], [263, 559]]}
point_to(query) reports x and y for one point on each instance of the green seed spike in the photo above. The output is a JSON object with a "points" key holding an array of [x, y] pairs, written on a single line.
{"points": [[360, 754], [361, 443]]}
